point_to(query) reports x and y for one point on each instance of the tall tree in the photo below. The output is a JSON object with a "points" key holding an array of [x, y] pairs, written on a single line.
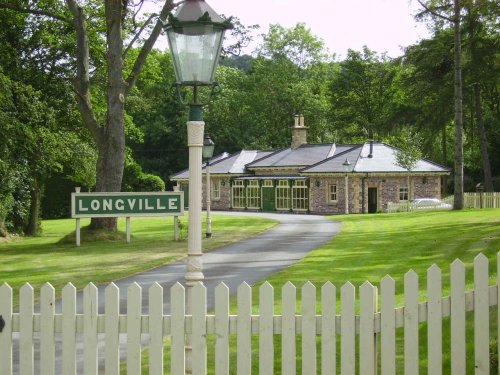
{"points": [[435, 8], [362, 93], [90, 19]]}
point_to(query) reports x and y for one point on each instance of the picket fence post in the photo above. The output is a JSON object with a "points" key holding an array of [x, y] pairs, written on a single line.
{"points": [[307, 325]]}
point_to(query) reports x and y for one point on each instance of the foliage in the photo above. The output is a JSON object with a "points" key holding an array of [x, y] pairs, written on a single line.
{"points": [[134, 179], [363, 94], [409, 151]]}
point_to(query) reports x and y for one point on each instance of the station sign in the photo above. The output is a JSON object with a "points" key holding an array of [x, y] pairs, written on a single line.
{"points": [[127, 204]]}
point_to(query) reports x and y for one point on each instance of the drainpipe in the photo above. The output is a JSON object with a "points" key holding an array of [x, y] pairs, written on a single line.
{"points": [[363, 195]]}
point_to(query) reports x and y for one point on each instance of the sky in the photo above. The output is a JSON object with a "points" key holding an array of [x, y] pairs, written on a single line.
{"points": [[382, 25]]}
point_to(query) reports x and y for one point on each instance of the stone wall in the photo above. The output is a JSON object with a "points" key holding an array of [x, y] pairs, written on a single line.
{"points": [[387, 191], [224, 203]]}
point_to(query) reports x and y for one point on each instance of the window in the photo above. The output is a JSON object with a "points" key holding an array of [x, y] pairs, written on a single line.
{"points": [[283, 195], [215, 190], [403, 193], [238, 194], [253, 194], [300, 196], [267, 183], [332, 193]]}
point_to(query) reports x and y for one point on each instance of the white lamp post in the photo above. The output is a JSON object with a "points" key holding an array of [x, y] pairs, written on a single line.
{"points": [[208, 152], [195, 35], [346, 166]]}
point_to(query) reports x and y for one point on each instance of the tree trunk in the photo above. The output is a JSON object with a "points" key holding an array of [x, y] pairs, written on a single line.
{"points": [[34, 219], [110, 162], [458, 202], [488, 181]]}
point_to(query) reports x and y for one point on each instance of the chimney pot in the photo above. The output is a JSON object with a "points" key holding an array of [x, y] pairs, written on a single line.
{"points": [[299, 132]]}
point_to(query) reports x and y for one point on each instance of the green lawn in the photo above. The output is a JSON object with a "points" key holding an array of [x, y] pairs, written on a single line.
{"points": [[53, 257], [370, 247]]}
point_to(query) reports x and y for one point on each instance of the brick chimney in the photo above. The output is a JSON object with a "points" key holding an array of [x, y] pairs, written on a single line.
{"points": [[299, 132]]}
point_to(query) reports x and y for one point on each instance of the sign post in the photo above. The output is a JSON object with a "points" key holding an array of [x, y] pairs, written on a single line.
{"points": [[124, 205]]}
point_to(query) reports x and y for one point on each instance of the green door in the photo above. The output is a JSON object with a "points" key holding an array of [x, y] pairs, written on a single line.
{"points": [[268, 198], [372, 200]]}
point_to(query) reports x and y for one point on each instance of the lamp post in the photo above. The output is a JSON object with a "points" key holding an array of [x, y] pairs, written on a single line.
{"points": [[195, 35], [346, 166], [208, 151]]}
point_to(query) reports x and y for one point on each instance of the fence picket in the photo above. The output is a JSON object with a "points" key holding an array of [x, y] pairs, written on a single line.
{"points": [[26, 330], [222, 329], [6, 334], [457, 318], [309, 328], [134, 310], [388, 326], [481, 316], [435, 321], [199, 328], [266, 343], [348, 330], [328, 329], [288, 333], [411, 352], [90, 329], [111, 321], [156, 329], [178, 311], [244, 330], [47, 331], [69, 330], [367, 342], [498, 303], [192, 331]]}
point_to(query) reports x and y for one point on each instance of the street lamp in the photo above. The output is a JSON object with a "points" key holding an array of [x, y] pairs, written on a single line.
{"points": [[346, 166], [208, 152], [195, 35]]}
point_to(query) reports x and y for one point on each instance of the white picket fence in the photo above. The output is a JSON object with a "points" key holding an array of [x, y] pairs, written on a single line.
{"points": [[478, 200], [307, 325]]}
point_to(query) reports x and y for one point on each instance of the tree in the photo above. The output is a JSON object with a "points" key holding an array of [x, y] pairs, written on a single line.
{"points": [[407, 156], [362, 93], [34, 148], [116, 22], [434, 9]]}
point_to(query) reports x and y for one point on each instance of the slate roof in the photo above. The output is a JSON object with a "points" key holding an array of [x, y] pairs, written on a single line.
{"points": [[310, 158], [303, 156], [228, 163], [383, 160]]}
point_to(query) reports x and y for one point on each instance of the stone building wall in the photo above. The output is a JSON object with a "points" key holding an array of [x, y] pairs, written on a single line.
{"points": [[387, 191], [224, 203]]}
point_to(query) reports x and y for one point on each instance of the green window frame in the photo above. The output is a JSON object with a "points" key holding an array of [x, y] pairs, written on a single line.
{"points": [[333, 193], [253, 194], [238, 194], [215, 190], [283, 195], [300, 195], [403, 193]]}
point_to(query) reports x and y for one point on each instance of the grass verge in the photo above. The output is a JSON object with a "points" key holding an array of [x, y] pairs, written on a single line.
{"points": [[53, 257]]}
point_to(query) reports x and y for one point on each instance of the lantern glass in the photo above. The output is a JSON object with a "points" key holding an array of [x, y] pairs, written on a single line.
{"points": [[195, 50], [208, 147]]}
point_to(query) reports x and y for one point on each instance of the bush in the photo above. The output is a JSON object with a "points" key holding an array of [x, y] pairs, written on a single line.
{"points": [[134, 179]]}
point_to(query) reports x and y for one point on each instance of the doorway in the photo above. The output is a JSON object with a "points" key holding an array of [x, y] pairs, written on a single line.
{"points": [[372, 200]]}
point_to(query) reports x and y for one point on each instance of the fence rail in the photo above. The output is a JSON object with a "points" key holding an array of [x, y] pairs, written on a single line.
{"points": [[368, 320], [478, 200], [471, 200]]}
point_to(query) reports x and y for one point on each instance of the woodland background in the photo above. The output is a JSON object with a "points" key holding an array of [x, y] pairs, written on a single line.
{"points": [[46, 149]]}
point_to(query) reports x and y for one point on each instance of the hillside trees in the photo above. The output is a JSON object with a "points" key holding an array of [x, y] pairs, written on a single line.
{"points": [[363, 94]]}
